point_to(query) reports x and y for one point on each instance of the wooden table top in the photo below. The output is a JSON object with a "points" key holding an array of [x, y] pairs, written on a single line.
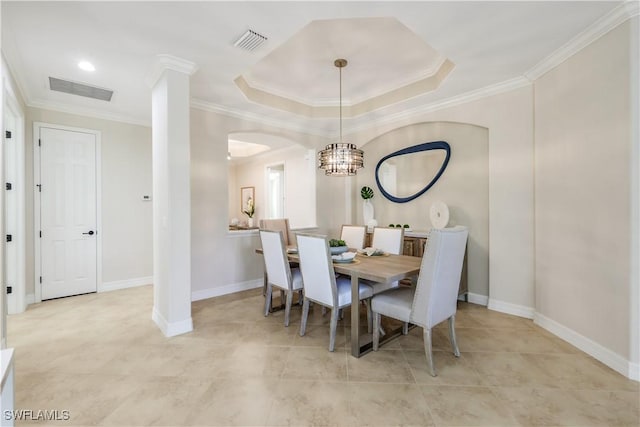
{"points": [[385, 269], [381, 268]]}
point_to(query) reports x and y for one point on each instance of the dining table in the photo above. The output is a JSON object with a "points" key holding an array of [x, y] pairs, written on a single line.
{"points": [[384, 268]]}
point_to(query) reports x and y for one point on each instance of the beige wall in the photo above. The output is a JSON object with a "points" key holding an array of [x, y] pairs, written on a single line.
{"points": [[464, 186], [127, 241], [583, 146], [222, 261], [509, 119]]}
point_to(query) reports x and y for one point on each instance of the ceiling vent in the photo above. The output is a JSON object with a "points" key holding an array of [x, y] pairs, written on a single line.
{"points": [[80, 89], [250, 40]]}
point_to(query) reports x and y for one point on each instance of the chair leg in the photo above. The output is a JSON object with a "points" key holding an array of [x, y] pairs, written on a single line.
{"points": [[452, 336], [282, 297], [341, 314], [376, 331], [428, 352], [300, 297], [267, 300], [265, 284], [305, 314], [324, 310], [369, 316], [287, 307], [333, 328], [405, 328]]}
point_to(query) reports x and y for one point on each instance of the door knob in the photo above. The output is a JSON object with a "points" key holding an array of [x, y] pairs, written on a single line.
{"points": [[90, 233]]}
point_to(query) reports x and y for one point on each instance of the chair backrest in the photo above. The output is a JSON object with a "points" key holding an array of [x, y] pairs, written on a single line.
{"points": [[437, 289], [353, 235], [275, 258], [388, 239], [317, 269], [279, 224]]}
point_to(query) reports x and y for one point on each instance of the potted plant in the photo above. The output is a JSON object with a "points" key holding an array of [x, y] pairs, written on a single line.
{"points": [[337, 246], [367, 206]]}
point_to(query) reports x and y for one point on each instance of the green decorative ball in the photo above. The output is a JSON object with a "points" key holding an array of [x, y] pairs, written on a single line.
{"points": [[366, 192]]}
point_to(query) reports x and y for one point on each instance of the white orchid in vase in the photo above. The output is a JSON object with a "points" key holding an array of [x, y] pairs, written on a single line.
{"points": [[250, 210]]}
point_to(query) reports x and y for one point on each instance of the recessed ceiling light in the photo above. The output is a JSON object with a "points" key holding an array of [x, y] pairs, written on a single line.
{"points": [[86, 66]]}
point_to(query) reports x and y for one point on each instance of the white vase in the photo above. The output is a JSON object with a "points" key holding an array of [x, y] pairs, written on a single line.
{"points": [[250, 222], [367, 211]]}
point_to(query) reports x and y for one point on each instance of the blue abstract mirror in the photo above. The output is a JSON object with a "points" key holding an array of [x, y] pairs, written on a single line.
{"points": [[408, 173]]}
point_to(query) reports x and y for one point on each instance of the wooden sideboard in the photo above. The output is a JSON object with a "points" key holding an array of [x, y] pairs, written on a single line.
{"points": [[414, 244]]}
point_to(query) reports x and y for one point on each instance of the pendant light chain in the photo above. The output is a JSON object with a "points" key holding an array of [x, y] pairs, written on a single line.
{"points": [[340, 68], [341, 158]]}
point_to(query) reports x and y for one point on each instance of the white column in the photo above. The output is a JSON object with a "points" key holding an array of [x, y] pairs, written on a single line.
{"points": [[171, 195]]}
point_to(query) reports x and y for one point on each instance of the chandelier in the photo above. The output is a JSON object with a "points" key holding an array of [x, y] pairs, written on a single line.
{"points": [[341, 158]]}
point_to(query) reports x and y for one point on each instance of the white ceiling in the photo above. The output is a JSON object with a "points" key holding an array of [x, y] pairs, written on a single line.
{"points": [[375, 63], [489, 43]]}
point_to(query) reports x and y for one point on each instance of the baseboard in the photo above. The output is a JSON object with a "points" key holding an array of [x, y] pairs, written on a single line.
{"points": [[634, 371], [592, 348], [30, 299], [174, 328], [509, 308], [224, 290], [477, 298], [124, 284]]}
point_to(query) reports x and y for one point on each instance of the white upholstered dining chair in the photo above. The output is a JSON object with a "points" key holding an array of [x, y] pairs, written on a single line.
{"points": [[389, 240], [321, 285], [353, 235], [434, 299], [280, 224], [279, 274]]}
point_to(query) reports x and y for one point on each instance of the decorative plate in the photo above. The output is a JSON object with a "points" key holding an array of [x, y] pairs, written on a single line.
{"points": [[439, 215], [346, 261]]}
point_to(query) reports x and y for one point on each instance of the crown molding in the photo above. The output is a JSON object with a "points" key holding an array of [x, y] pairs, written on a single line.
{"points": [[230, 112], [491, 90], [87, 112], [246, 83], [169, 62], [17, 78], [394, 96], [608, 22], [464, 98]]}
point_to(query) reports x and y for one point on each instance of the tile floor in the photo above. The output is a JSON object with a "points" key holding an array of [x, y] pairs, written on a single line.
{"points": [[100, 357]]}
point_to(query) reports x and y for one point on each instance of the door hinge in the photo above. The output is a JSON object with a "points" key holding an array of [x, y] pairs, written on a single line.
{"points": [[9, 237], [7, 134], [40, 233], [9, 289], [39, 142], [39, 188], [8, 186], [40, 279]]}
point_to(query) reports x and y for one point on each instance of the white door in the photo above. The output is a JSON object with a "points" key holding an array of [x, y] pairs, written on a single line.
{"points": [[67, 212]]}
